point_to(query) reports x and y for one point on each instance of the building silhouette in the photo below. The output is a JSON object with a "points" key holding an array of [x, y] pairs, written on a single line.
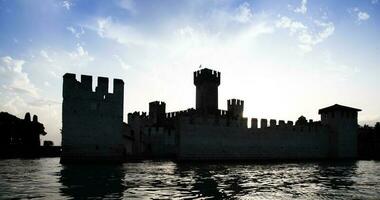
{"points": [[369, 142], [20, 137], [91, 120], [207, 82], [93, 128]]}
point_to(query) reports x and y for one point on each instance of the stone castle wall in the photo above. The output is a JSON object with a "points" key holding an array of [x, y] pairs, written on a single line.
{"points": [[160, 141], [202, 140]]}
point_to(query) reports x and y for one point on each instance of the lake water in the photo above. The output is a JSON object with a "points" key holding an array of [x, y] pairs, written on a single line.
{"points": [[47, 179]]}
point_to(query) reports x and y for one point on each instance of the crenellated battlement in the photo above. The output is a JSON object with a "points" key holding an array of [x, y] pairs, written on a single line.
{"points": [[206, 75], [192, 112], [87, 82], [224, 120], [73, 87], [157, 103], [235, 108], [171, 115], [183, 113], [102, 87], [137, 115], [289, 125], [235, 103], [157, 110], [222, 113]]}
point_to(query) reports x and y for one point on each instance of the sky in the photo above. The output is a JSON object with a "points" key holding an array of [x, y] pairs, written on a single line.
{"points": [[283, 58]]}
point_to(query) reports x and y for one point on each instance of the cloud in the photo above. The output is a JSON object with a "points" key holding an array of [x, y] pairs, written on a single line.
{"points": [[306, 37], [222, 18], [221, 22], [339, 71], [45, 55], [71, 29], [359, 15], [374, 1], [121, 33], [67, 4], [123, 65], [80, 54], [75, 32], [302, 8], [244, 13], [128, 5], [363, 16], [51, 63], [15, 105], [43, 102], [102, 25], [13, 78], [293, 26]]}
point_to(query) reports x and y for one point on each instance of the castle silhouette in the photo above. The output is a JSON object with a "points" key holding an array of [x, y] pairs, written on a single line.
{"points": [[93, 128], [20, 137]]}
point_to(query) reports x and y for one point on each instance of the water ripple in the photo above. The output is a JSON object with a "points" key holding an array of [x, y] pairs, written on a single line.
{"points": [[47, 179]]}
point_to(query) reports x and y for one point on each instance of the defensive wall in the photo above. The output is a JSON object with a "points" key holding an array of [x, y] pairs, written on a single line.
{"points": [[136, 123], [161, 142], [334, 137], [189, 136], [202, 140]]}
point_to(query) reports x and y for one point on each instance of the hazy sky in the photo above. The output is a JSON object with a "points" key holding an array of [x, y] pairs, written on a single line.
{"points": [[283, 58]]}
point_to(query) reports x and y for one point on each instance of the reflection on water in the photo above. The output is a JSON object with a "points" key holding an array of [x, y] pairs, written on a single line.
{"points": [[92, 181], [46, 178]]}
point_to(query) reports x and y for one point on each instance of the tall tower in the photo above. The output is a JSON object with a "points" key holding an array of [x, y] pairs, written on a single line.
{"points": [[207, 82], [343, 125], [157, 112], [92, 120]]}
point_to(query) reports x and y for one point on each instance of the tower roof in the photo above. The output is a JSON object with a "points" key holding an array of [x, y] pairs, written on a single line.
{"points": [[336, 107]]}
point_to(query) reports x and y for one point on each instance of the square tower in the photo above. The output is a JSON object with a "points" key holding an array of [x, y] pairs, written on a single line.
{"points": [[235, 108], [343, 125], [207, 82], [92, 120], [157, 112]]}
